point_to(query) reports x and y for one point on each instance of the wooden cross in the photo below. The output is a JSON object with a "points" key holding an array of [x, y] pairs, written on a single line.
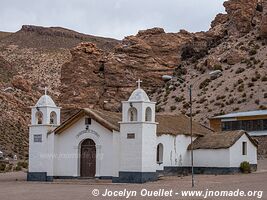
{"points": [[139, 83]]}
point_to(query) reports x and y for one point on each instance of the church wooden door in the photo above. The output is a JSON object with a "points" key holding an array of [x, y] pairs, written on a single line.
{"points": [[88, 158]]}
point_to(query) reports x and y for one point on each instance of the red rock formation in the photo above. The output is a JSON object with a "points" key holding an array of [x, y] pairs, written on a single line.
{"points": [[240, 15]]}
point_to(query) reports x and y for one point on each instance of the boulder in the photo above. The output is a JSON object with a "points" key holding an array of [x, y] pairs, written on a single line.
{"points": [[20, 83], [240, 14], [233, 57]]}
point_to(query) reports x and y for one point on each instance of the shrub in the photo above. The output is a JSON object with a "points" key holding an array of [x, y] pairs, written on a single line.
{"points": [[202, 100], [250, 84], [23, 164], [217, 67], [9, 167], [18, 168], [239, 70], [236, 108], [252, 52], [254, 79], [245, 167], [173, 108], [159, 109], [2, 167], [204, 83], [264, 78], [241, 88], [262, 107], [186, 105], [239, 81], [179, 99]]}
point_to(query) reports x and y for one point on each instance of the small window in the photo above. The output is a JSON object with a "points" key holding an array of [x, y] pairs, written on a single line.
{"points": [[88, 121], [160, 153], [148, 114], [130, 136], [244, 148], [37, 138]]}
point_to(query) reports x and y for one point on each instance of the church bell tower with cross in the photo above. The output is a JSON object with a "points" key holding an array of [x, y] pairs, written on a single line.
{"points": [[45, 118], [137, 139]]}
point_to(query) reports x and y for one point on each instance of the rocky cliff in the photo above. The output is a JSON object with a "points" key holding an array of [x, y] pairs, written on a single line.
{"points": [[88, 71], [31, 59]]}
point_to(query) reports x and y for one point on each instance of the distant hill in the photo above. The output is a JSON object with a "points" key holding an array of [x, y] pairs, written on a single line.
{"points": [[4, 34]]}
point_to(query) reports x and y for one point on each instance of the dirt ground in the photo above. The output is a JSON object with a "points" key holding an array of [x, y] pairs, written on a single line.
{"points": [[13, 186]]}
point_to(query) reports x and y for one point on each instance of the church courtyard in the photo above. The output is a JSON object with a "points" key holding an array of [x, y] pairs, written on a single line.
{"points": [[13, 186]]}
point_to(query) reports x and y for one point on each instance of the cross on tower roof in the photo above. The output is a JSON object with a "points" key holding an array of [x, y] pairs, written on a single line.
{"points": [[46, 90], [139, 83]]}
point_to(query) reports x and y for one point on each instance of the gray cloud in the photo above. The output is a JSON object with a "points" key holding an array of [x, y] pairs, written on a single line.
{"points": [[110, 18]]}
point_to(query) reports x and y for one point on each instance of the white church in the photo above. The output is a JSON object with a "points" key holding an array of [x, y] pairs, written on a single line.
{"points": [[134, 146]]}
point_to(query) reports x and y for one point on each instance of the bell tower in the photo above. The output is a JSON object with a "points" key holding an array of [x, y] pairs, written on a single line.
{"points": [[138, 139], [45, 117]]}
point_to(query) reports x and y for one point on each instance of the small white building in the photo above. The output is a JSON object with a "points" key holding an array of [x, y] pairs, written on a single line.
{"points": [[1, 155], [131, 147], [225, 150]]}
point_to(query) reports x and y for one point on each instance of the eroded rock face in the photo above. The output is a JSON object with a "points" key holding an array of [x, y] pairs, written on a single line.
{"points": [[263, 25], [87, 71], [240, 15], [95, 76], [20, 83], [233, 57]]}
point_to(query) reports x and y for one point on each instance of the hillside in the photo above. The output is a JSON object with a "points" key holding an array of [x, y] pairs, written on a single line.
{"points": [[86, 71], [240, 54], [31, 59], [4, 34]]}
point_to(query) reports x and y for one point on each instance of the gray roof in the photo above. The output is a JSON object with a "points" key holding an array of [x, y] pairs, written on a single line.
{"points": [[220, 140], [242, 114], [168, 124]]}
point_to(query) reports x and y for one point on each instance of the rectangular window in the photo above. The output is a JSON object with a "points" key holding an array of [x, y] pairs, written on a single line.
{"points": [[130, 136], [87, 121], [37, 138], [244, 148], [264, 124], [247, 125]]}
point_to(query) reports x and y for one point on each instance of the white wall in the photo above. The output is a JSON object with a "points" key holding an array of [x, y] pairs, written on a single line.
{"points": [[138, 154], [230, 157], [40, 159], [131, 149], [67, 149], [116, 153], [212, 158], [175, 151], [236, 156], [149, 147]]}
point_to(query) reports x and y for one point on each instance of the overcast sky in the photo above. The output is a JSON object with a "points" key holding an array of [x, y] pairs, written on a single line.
{"points": [[110, 18]]}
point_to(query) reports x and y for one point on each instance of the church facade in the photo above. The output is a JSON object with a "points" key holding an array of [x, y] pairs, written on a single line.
{"points": [[134, 146]]}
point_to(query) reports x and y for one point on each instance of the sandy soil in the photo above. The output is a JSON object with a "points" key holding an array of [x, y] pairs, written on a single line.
{"points": [[13, 186]]}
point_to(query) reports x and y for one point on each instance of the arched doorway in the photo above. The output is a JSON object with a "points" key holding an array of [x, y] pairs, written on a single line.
{"points": [[88, 158]]}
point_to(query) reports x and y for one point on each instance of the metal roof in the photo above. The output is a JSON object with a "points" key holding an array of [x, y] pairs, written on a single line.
{"points": [[257, 133], [242, 114]]}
